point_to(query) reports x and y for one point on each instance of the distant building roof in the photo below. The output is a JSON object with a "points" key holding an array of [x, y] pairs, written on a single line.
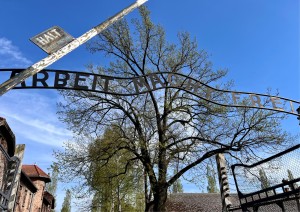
{"points": [[194, 202], [33, 171], [9, 136], [198, 202]]}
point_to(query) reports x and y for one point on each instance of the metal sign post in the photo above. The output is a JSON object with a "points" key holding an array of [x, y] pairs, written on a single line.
{"points": [[298, 111], [56, 55]]}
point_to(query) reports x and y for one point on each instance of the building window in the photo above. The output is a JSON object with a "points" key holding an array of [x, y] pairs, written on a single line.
{"points": [[43, 192], [19, 194], [29, 200], [24, 199]]}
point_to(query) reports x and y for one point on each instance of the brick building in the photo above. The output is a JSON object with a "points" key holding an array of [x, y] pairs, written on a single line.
{"points": [[32, 195], [22, 188], [25, 194]]}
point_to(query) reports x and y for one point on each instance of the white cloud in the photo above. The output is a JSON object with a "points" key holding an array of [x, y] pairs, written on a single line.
{"points": [[32, 117], [10, 55]]}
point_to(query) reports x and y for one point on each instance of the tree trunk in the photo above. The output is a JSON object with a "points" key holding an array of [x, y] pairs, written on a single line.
{"points": [[148, 206], [160, 198]]}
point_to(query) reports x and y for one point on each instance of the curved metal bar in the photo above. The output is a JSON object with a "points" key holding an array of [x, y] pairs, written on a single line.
{"points": [[267, 159], [196, 84]]}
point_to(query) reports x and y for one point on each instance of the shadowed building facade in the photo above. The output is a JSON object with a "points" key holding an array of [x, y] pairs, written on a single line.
{"points": [[7, 144]]}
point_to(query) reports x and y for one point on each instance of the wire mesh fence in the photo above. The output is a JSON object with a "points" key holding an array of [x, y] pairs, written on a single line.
{"points": [[270, 181]]}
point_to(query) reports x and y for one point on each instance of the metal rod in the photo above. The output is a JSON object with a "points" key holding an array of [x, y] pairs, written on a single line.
{"points": [[35, 68]]}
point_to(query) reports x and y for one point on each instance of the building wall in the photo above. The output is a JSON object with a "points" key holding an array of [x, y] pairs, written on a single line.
{"points": [[27, 201], [24, 199], [46, 208], [33, 200], [3, 163], [3, 142], [38, 197]]}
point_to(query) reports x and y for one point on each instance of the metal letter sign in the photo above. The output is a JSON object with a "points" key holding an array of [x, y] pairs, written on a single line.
{"points": [[75, 80], [52, 39]]}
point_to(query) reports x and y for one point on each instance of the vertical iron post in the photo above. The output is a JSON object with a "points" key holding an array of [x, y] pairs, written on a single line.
{"points": [[223, 182], [298, 111]]}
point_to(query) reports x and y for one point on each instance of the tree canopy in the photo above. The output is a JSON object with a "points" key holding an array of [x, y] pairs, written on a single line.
{"points": [[264, 181], [115, 181], [160, 128], [51, 187], [211, 180], [66, 206]]}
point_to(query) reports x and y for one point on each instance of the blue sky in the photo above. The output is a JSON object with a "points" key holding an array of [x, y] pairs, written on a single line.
{"points": [[256, 40]]}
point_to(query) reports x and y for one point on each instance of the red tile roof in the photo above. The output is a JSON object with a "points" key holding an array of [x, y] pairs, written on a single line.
{"points": [[33, 171]]}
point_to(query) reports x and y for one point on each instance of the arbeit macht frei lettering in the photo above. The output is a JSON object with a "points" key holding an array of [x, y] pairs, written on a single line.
{"points": [[151, 82]]}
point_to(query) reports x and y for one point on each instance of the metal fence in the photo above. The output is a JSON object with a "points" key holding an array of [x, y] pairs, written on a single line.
{"points": [[274, 181]]}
